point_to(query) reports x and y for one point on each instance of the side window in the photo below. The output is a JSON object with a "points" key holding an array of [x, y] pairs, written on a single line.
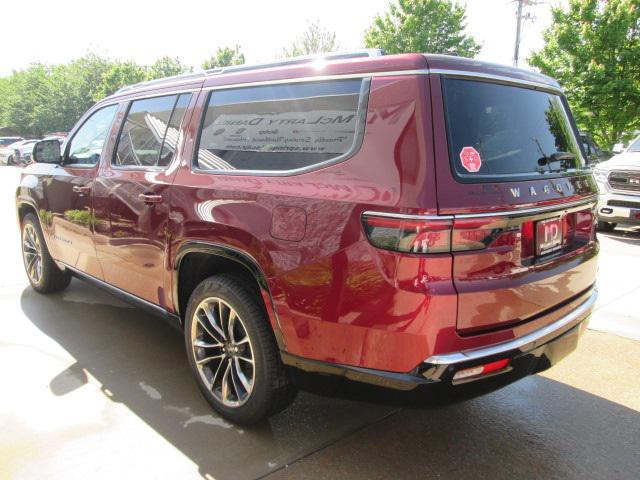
{"points": [[280, 127], [86, 145], [150, 132], [171, 137]]}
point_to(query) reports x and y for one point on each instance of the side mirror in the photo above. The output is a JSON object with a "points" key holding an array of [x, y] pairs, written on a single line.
{"points": [[47, 151]]}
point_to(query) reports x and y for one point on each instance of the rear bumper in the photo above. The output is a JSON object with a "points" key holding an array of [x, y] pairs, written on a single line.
{"points": [[628, 214], [531, 353]]}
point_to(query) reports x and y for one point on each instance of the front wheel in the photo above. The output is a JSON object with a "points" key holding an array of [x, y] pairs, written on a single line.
{"points": [[42, 272], [233, 354]]}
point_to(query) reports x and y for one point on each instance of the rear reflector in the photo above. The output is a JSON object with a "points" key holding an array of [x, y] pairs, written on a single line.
{"points": [[481, 370]]}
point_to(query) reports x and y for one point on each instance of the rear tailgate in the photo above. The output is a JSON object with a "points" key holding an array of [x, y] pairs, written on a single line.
{"points": [[511, 173]]}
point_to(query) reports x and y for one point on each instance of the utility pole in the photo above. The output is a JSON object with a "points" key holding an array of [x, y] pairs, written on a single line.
{"points": [[520, 16]]}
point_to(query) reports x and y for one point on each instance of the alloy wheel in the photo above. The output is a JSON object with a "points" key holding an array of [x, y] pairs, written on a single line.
{"points": [[32, 253], [222, 351]]}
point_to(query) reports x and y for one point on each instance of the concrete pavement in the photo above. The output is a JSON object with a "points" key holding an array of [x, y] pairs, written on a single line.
{"points": [[93, 388]]}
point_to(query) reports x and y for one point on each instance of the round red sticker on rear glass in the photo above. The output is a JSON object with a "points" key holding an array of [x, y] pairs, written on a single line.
{"points": [[470, 159]]}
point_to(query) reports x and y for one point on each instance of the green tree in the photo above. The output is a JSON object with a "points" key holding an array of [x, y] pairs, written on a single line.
{"points": [[118, 75], [593, 49], [315, 39], [166, 67], [224, 57], [425, 26], [42, 98]]}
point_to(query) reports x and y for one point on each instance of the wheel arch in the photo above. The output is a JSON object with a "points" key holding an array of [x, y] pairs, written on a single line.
{"points": [[196, 260]]}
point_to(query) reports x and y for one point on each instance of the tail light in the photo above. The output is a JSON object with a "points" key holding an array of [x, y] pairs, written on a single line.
{"points": [[436, 235], [410, 236], [446, 234]]}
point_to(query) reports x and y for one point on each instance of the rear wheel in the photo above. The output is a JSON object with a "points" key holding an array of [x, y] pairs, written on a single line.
{"points": [[42, 272], [233, 354], [10, 160], [606, 226]]}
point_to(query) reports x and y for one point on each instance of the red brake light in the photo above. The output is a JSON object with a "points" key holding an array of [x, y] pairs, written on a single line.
{"points": [[408, 235], [527, 239]]}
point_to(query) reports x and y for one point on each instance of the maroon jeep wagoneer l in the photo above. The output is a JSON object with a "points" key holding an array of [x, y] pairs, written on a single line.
{"points": [[399, 220]]}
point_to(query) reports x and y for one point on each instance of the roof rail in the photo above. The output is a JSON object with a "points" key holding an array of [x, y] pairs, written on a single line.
{"points": [[369, 52], [160, 81]]}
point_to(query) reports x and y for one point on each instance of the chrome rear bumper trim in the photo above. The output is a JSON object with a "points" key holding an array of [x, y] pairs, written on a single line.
{"points": [[544, 333]]}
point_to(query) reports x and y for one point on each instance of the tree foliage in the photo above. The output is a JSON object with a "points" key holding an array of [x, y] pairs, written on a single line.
{"points": [[425, 26], [315, 39], [225, 57], [43, 98], [593, 49]]}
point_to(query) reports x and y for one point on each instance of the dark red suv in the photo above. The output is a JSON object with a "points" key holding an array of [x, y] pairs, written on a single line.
{"points": [[399, 220]]}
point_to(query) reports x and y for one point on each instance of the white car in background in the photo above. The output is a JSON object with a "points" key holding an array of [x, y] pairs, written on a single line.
{"points": [[619, 185], [17, 153], [5, 141]]}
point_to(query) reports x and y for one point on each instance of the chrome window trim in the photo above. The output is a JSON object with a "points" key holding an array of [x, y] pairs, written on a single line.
{"points": [[317, 78], [363, 102], [530, 339], [131, 96], [527, 211], [501, 213], [405, 216], [497, 78]]}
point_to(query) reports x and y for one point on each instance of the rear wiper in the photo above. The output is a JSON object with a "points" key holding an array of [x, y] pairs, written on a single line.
{"points": [[556, 157]]}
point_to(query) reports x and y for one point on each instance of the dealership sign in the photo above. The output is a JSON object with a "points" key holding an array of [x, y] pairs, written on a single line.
{"points": [[319, 131]]}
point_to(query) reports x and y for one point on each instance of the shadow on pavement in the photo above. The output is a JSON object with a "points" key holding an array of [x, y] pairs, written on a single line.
{"points": [[534, 428], [628, 236]]}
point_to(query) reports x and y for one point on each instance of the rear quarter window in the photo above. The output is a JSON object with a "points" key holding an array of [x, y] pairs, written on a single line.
{"points": [[519, 133], [281, 128]]}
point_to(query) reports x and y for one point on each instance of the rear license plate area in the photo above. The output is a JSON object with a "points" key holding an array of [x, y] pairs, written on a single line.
{"points": [[548, 236]]}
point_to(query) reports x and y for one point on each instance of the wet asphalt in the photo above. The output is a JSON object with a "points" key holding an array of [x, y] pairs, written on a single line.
{"points": [[93, 388]]}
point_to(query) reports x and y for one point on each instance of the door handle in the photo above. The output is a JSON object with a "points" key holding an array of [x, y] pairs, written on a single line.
{"points": [[81, 190], [150, 198]]}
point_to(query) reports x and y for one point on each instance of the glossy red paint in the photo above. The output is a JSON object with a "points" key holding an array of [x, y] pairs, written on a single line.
{"points": [[329, 293]]}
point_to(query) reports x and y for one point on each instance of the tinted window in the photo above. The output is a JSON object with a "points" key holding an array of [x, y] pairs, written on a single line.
{"points": [[509, 131], [279, 127], [151, 128], [171, 137], [635, 146], [86, 145]]}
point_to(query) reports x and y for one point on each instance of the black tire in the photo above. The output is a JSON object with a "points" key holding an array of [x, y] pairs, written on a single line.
{"points": [[10, 161], [271, 390], [606, 226], [51, 278]]}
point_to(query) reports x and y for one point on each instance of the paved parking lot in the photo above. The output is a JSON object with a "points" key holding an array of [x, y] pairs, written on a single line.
{"points": [[92, 388]]}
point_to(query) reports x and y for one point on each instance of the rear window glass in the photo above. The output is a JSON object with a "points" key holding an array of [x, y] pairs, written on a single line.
{"points": [[280, 127], [497, 132]]}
